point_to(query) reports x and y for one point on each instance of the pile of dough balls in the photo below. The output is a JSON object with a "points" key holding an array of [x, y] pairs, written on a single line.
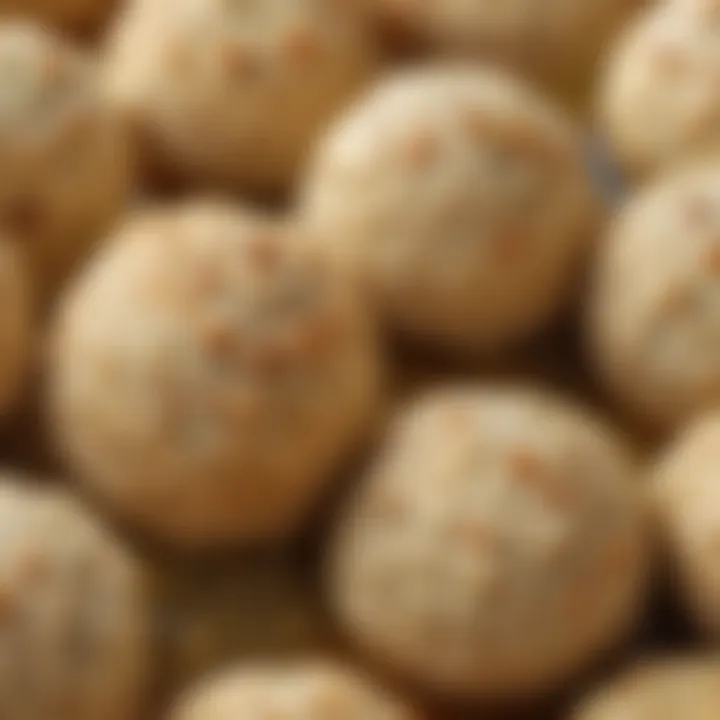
{"points": [[65, 165], [654, 329], [390, 365], [75, 629], [554, 42], [687, 505], [460, 198], [674, 688], [210, 370], [497, 546], [659, 101], [232, 94], [302, 691]]}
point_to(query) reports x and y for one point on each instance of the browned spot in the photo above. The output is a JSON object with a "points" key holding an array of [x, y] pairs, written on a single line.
{"points": [[676, 298], [477, 535], [478, 123], [712, 259], [421, 149], [220, 339], [205, 281], [561, 493], [269, 356], [241, 61], [263, 251], [527, 465], [301, 45], [34, 567]]}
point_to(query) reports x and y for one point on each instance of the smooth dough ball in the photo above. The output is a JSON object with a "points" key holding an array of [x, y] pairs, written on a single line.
{"points": [[496, 547], [659, 100], [554, 42], [64, 159], [74, 634], [674, 688], [461, 199], [16, 322], [210, 371], [654, 313], [75, 15], [687, 505], [311, 690], [231, 94]]}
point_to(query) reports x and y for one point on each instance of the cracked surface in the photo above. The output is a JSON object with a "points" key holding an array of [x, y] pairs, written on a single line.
{"points": [[654, 300], [496, 547], [460, 198], [659, 100], [210, 371]]}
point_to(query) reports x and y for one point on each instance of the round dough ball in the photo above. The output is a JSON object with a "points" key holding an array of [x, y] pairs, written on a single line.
{"points": [[659, 100], [679, 688], [554, 42], [654, 318], [75, 15], [74, 635], [460, 198], [497, 546], [16, 322], [687, 504], [300, 691], [211, 370], [64, 159], [231, 94]]}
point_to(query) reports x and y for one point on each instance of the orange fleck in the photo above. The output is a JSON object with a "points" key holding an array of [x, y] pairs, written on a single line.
{"points": [[527, 465], [421, 149], [712, 259], [264, 251], [301, 45], [219, 339], [241, 61]]}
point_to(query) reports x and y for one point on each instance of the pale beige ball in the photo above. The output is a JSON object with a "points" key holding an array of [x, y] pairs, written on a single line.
{"points": [[231, 94], [685, 491], [654, 313], [300, 690], [659, 99], [459, 197], [66, 165], [210, 370], [496, 547], [672, 688], [75, 635]]}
